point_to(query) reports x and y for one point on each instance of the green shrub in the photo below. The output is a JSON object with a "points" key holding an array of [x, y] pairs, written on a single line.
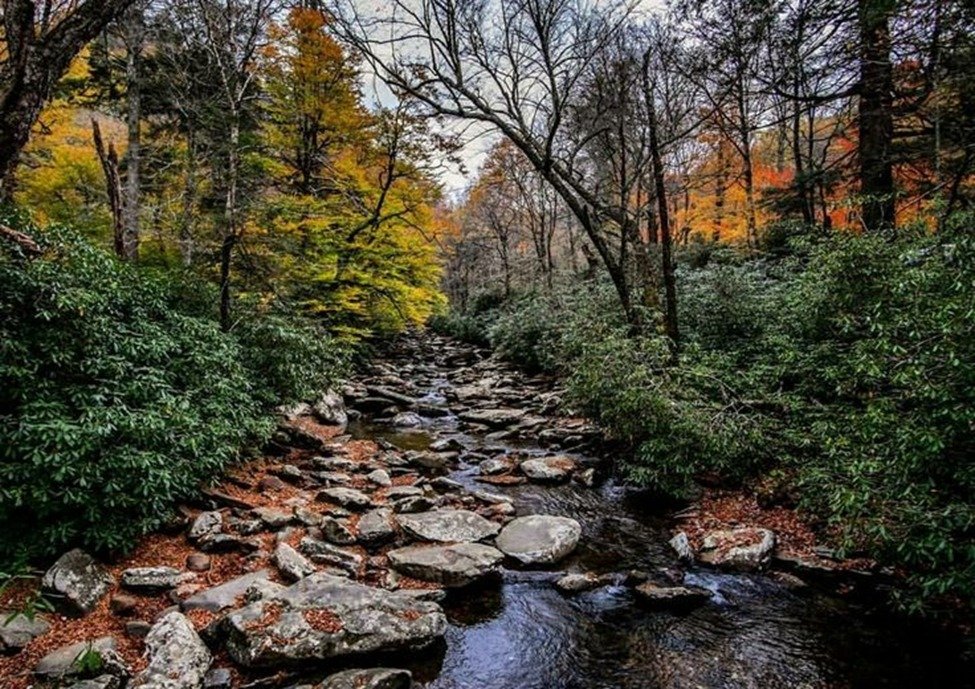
{"points": [[117, 398]]}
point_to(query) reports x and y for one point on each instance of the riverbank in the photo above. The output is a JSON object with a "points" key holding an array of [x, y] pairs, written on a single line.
{"points": [[447, 449]]}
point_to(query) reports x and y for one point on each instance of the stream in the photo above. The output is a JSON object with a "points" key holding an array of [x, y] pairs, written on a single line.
{"points": [[522, 633]]}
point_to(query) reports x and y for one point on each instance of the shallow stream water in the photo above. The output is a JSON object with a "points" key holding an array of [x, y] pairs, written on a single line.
{"points": [[521, 633]]}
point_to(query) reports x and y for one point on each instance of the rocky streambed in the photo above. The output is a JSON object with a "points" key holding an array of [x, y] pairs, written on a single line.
{"points": [[441, 523]]}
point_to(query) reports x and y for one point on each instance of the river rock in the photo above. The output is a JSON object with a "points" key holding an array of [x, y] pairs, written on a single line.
{"points": [[292, 564], [205, 526], [151, 579], [323, 617], [336, 531], [671, 597], [577, 583], [272, 518], [17, 630], [451, 565], [178, 659], [332, 556], [495, 418], [682, 546], [374, 678], [496, 465], [61, 662], [380, 477], [76, 582], [225, 595], [743, 549], [376, 526], [100, 682], [448, 526], [330, 410], [407, 419], [346, 497], [539, 539], [548, 469]]}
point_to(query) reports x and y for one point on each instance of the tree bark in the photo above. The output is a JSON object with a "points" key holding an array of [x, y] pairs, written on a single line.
{"points": [[37, 56], [875, 117], [113, 186], [670, 284], [134, 37]]}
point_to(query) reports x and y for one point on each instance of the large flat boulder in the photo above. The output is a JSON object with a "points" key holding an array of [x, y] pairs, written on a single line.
{"points": [[323, 617], [494, 418], [448, 526], [178, 658], [76, 582], [451, 565], [64, 661], [548, 469], [744, 549], [225, 595], [539, 538]]}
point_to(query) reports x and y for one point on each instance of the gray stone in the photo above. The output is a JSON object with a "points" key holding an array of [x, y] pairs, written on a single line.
{"points": [[330, 410], [548, 469], [225, 595], [376, 526], [577, 583], [332, 556], [373, 678], [323, 617], [539, 539], [346, 497], [494, 418], [744, 549], [671, 597], [448, 526], [407, 419], [19, 630], [397, 492], [412, 505], [76, 582], [274, 519], [292, 564], [450, 565], [495, 466], [380, 477], [62, 662], [682, 546], [100, 682], [178, 658], [152, 578], [206, 525], [336, 531], [218, 678]]}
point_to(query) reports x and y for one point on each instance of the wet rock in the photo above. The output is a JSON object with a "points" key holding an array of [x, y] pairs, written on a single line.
{"points": [[577, 583], [346, 497], [374, 678], [682, 546], [151, 579], [548, 469], [380, 477], [292, 564], [432, 461], [446, 445], [587, 477], [446, 485], [332, 556], [448, 526], [407, 419], [225, 595], [496, 465], [178, 658], [391, 395], [323, 617], [76, 582], [17, 630], [336, 531], [376, 526], [493, 418], [68, 660], [539, 539], [218, 678], [330, 410], [671, 597], [744, 549], [451, 565]]}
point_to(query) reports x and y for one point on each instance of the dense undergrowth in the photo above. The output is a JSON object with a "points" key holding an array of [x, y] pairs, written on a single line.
{"points": [[120, 394], [834, 372]]}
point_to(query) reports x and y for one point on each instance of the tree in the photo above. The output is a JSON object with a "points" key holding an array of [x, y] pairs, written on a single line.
{"points": [[41, 41]]}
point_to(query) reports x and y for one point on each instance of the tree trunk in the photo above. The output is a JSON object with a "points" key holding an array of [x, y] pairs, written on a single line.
{"points": [[189, 200], [230, 219], [670, 284], [875, 118], [113, 186], [134, 35]]}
